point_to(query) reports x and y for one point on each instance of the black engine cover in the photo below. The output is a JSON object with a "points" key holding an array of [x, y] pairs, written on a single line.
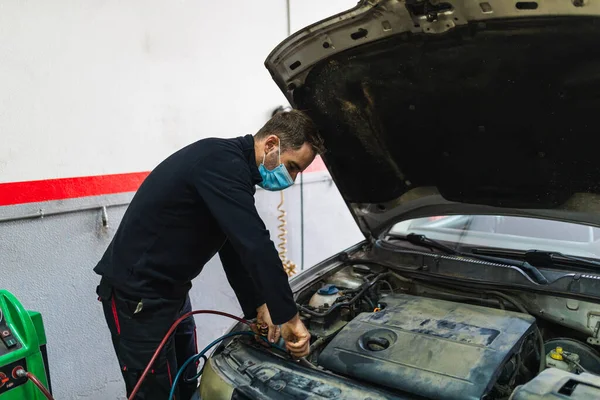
{"points": [[433, 348]]}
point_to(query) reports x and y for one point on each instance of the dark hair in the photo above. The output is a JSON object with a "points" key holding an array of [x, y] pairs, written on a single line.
{"points": [[293, 128]]}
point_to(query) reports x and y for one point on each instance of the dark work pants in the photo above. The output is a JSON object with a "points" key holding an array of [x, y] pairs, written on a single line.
{"points": [[137, 327]]}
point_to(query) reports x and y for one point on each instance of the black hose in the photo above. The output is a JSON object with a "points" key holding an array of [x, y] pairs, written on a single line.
{"points": [[501, 304], [389, 285], [542, 349], [366, 286], [369, 303], [318, 343], [506, 297], [194, 379], [520, 307], [322, 340]]}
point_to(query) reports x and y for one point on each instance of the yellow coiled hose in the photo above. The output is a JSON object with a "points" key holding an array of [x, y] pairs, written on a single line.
{"points": [[288, 265]]}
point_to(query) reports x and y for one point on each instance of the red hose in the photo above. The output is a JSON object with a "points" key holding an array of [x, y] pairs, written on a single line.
{"points": [[168, 334], [39, 385]]}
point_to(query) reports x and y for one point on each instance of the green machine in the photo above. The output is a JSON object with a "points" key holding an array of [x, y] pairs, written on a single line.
{"points": [[24, 371]]}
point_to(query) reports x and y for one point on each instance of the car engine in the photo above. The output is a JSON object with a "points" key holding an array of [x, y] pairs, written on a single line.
{"points": [[380, 332], [371, 325], [429, 346]]}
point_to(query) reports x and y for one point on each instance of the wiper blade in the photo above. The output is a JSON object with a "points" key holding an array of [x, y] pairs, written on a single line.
{"points": [[422, 240], [543, 258], [553, 258]]}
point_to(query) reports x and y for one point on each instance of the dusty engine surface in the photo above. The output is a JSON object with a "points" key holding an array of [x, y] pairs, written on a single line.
{"points": [[429, 347]]}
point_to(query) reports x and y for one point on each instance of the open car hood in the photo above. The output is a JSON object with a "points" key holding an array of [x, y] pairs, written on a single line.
{"points": [[458, 107]]}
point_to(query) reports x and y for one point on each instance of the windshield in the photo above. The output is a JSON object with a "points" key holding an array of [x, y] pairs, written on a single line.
{"points": [[515, 233]]}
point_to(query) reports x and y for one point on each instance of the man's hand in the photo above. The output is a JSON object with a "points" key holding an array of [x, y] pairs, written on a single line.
{"points": [[296, 336], [264, 318]]}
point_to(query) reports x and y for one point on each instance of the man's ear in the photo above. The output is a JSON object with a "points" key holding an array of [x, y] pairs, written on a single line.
{"points": [[271, 142]]}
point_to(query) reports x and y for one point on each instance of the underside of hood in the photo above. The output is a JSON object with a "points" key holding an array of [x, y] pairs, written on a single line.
{"points": [[495, 113]]}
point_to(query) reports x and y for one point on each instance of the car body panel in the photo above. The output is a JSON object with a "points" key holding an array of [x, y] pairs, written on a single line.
{"points": [[255, 374]]}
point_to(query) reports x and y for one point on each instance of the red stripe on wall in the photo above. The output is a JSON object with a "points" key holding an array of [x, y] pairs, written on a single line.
{"points": [[317, 165], [69, 188]]}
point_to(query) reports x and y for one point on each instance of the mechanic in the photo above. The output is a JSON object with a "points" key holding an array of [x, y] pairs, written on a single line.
{"points": [[197, 202]]}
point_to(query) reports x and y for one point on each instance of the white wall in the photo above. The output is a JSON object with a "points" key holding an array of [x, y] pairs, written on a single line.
{"points": [[99, 87], [328, 225]]}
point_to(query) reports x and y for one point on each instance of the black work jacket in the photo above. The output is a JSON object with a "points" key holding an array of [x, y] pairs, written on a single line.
{"points": [[198, 202]]}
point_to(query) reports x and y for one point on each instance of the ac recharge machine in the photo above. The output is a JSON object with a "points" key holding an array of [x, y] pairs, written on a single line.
{"points": [[22, 347]]}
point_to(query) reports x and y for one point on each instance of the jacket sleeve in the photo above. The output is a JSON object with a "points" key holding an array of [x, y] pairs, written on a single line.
{"points": [[248, 295], [224, 181]]}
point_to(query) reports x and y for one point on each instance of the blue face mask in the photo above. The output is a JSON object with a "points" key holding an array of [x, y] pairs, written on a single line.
{"points": [[276, 179]]}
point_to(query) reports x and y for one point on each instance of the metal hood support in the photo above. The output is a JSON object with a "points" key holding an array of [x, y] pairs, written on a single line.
{"points": [[431, 108]]}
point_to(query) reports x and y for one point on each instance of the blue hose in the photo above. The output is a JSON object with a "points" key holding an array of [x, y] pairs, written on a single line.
{"points": [[198, 356]]}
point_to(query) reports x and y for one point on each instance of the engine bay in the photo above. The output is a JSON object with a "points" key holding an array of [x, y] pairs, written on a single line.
{"points": [[439, 341], [429, 346]]}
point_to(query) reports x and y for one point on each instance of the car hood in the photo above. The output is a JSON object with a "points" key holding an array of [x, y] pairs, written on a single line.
{"points": [[459, 107]]}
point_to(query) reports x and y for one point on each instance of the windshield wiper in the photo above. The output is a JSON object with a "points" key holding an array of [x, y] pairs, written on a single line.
{"points": [[543, 258], [424, 241]]}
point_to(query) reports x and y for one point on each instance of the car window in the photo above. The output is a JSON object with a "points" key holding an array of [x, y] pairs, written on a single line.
{"points": [[518, 233]]}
